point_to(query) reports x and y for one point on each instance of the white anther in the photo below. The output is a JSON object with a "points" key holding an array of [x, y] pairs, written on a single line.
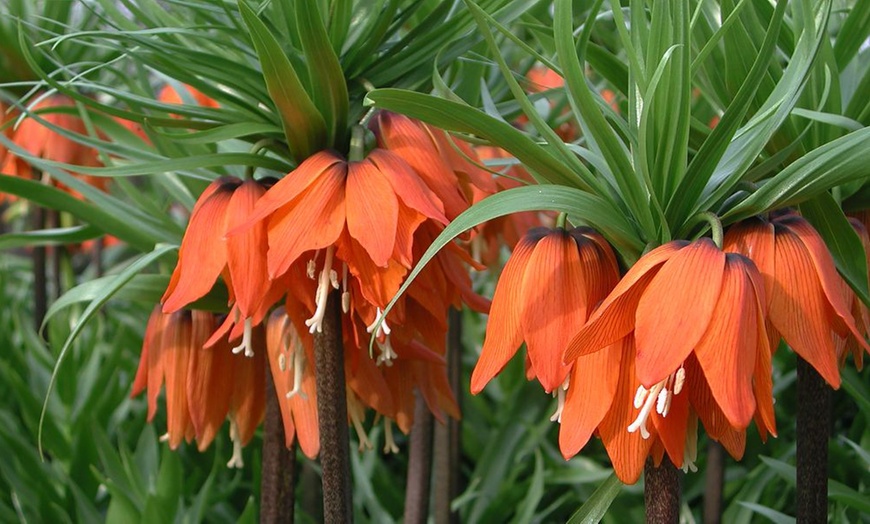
{"points": [[315, 323], [389, 443], [679, 380], [640, 396], [236, 460]]}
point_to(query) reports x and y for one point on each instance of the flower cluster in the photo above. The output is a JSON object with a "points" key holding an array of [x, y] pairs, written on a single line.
{"points": [[686, 335], [348, 228]]}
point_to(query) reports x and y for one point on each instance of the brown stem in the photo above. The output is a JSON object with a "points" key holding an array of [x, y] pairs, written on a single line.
{"points": [[278, 474], [714, 482], [419, 465], [813, 429], [447, 436], [332, 414], [661, 492]]}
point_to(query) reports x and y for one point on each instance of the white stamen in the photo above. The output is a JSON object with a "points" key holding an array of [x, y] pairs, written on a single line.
{"points": [[236, 460], [690, 451], [164, 437], [640, 396], [640, 421], [383, 329], [298, 367], [310, 268], [333, 278], [679, 380], [282, 362], [246, 340], [560, 393], [389, 444], [315, 323], [345, 294], [388, 354]]}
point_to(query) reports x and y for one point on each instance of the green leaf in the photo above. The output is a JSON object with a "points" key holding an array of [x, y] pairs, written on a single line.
{"points": [[833, 164], [852, 34], [303, 124], [49, 237], [102, 297], [328, 85], [526, 509], [580, 206], [454, 116], [775, 516], [824, 213], [594, 509], [135, 234]]}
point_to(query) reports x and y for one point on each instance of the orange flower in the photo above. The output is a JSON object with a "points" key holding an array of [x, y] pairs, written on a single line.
{"points": [[847, 345], [685, 299], [203, 386], [364, 213], [170, 95], [205, 254], [549, 285], [807, 304], [41, 141]]}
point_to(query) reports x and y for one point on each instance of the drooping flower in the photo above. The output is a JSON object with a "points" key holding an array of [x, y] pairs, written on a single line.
{"points": [[849, 345], [206, 253], [204, 386], [37, 138], [807, 305], [550, 284], [170, 95], [685, 300]]}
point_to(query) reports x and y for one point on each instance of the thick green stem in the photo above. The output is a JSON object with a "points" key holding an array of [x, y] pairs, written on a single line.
{"points": [[813, 431], [419, 465], [661, 492], [332, 414], [278, 474]]}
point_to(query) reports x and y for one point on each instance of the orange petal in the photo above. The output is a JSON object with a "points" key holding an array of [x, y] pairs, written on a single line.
{"points": [[288, 188], [727, 349], [407, 185], [314, 220], [675, 309], [627, 451], [754, 238], [210, 371], [553, 305], [615, 317], [150, 343], [590, 395], [248, 404], [672, 429], [503, 336], [246, 252], [799, 308], [828, 276], [372, 210], [203, 252], [175, 344]]}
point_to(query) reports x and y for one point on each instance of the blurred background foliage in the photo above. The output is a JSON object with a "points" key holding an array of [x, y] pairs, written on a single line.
{"points": [[104, 463]]}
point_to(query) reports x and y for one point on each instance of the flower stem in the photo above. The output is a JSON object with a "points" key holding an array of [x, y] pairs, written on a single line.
{"points": [[255, 149], [357, 144], [332, 414], [715, 226], [278, 475], [661, 492], [419, 465], [813, 428], [447, 436], [713, 483]]}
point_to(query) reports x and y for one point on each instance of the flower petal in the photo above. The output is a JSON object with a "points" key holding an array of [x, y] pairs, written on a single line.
{"points": [[593, 386], [727, 349], [615, 317], [553, 305], [314, 220], [754, 238], [675, 309], [247, 251], [799, 307], [503, 336], [372, 210], [408, 185]]}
